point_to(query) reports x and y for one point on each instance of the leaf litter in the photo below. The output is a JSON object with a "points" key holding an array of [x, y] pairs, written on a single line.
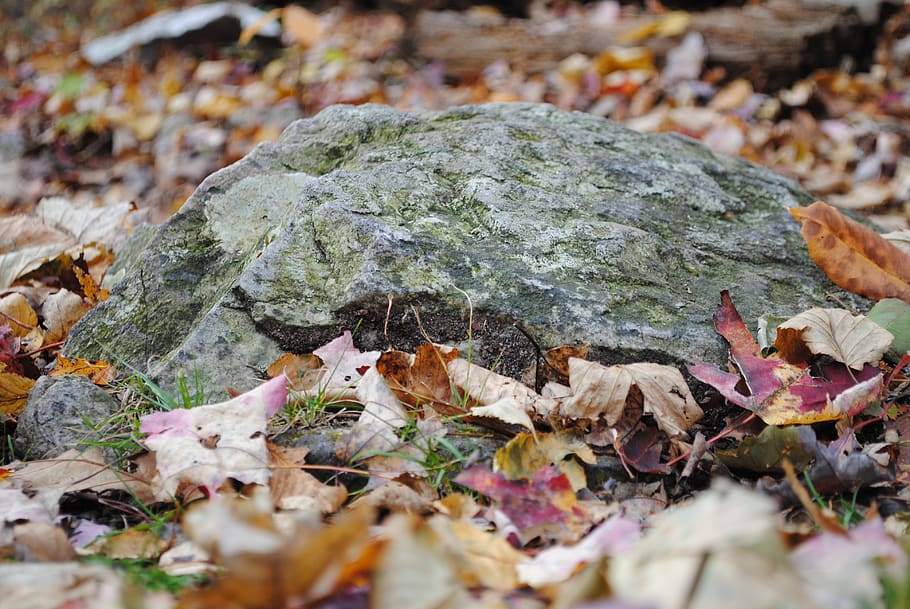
{"points": [[572, 509]]}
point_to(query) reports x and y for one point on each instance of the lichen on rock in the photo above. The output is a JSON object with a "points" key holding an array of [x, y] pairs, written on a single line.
{"points": [[567, 224]]}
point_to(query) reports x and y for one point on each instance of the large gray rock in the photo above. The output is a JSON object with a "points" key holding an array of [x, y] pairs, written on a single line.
{"points": [[569, 224]]}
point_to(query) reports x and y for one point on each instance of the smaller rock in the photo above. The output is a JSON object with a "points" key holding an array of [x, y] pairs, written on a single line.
{"points": [[57, 414]]}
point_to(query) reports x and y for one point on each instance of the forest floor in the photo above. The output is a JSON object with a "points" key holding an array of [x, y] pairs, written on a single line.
{"points": [[105, 146]]}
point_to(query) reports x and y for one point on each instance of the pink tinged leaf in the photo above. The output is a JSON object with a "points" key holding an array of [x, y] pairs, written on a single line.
{"points": [[86, 532], [168, 423], [344, 363], [206, 445], [526, 503], [724, 382], [818, 394], [274, 394], [558, 563]]}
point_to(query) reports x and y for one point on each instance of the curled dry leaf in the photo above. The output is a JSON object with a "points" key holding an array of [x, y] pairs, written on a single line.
{"points": [[602, 391], [855, 257], [854, 340]]}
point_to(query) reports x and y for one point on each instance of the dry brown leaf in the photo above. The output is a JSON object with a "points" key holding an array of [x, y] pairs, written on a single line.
{"points": [[76, 471], [485, 558], [14, 390], [61, 311], [485, 388], [854, 257], [41, 542], [732, 96], [14, 308], [601, 391], [422, 378], [303, 371], [141, 542], [376, 430], [852, 340], [293, 488]]}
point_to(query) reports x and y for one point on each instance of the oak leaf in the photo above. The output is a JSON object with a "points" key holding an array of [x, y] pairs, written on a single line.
{"points": [[856, 258]]}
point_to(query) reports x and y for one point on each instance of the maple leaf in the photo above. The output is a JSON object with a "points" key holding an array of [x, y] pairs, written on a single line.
{"points": [[206, 445], [782, 393], [856, 258], [544, 506]]}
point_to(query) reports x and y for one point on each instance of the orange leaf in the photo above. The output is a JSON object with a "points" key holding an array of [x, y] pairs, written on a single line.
{"points": [[100, 372], [301, 25], [856, 258]]}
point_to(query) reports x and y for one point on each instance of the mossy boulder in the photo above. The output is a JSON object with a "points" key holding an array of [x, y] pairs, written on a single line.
{"points": [[398, 224]]}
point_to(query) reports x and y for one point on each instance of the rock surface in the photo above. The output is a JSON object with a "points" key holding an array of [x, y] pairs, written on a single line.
{"points": [[62, 413], [363, 217]]}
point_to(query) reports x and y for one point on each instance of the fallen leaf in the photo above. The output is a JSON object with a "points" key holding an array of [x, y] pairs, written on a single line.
{"points": [[303, 371], [14, 390], [543, 506], [134, 542], [206, 445], [485, 387], [893, 315], [421, 379], [599, 390], [41, 542], [524, 455], [344, 363], [846, 570], [485, 559], [856, 258], [74, 471], [15, 310], [293, 488], [100, 372], [554, 565], [854, 340], [781, 393], [376, 429], [763, 453], [665, 26], [724, 544]]}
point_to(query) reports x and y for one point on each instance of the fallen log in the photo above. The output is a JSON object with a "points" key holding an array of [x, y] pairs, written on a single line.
{"points": [[772, 44]]}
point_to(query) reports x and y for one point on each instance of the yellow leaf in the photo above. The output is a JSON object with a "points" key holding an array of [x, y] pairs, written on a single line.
{"points": [[14, 308], [14, 391]]}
